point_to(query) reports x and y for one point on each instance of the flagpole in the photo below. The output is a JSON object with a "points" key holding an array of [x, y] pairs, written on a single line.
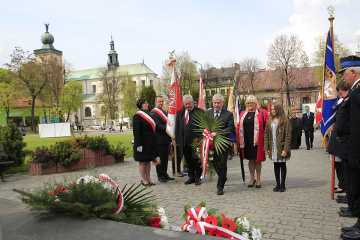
{"points": [[331, 19], [175, 150]]}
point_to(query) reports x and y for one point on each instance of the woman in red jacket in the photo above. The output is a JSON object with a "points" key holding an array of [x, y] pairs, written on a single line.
{"points": [[250, 135]]}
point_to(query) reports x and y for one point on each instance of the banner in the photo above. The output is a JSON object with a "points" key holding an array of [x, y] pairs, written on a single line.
{"points": [[329, 93], [201, 94]]}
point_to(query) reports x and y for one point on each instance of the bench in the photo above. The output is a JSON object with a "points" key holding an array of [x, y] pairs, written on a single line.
{"points": [[2, 154]]}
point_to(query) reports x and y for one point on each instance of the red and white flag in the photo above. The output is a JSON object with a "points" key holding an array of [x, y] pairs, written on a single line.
{"points": [[201, 94], [318, 114], [175, 103]]}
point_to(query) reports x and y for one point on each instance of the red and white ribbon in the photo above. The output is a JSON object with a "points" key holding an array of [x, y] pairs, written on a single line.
{"points": [[208, 136], [121, 198], [160, 113], [196, 224]]}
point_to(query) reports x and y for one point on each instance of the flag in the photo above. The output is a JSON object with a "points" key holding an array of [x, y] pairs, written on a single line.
{"points": [[237, 110], [318, 115], [329, 94], [174, 101], [201, 94], [269, 106]]}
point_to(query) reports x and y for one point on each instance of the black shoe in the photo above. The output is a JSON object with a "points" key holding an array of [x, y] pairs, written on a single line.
{"points": [[354, 234], [145, 185], [220, 192], [339, 191], [169, 178], [346, 214], [197, 181], [190, 181], [341, 197], [349, 229], [252, 184], [342, 200], [311, 145], [152, 184], [161, 179], [282, 189], [344, 209], [308, 149], [258, 186], [276, 189]]}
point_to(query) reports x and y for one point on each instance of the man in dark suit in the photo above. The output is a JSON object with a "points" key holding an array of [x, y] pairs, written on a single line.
{"points": [[227, 124], [185, 136], [162, 139], [308, 127], [350, 71]]}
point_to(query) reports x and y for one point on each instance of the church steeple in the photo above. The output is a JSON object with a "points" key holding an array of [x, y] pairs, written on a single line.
{"points": [[112, 56]]}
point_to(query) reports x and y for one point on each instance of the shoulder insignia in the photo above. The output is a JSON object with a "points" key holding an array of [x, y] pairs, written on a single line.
{"points": [[357, 85]]}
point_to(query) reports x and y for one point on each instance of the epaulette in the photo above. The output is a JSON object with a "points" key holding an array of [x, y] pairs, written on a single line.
{"points": [[357, 85]]}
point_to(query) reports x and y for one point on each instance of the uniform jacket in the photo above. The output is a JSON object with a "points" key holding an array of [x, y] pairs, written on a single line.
{"points": [[143, 136], [354, 149], [161, 136], [185, 134], [260, 152], [308, 122], [283, 138]]}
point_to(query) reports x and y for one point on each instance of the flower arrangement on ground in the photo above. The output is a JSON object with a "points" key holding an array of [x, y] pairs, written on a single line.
{"points": [[212, 142], [209, 222], [91, 196]]}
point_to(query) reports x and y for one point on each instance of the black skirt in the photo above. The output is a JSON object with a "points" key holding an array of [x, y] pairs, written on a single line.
{"points": [[250, 151]]}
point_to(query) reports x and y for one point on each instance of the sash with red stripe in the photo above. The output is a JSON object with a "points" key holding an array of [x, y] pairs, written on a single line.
{"points": [[148, 119], [160, 113], [153, 125]]}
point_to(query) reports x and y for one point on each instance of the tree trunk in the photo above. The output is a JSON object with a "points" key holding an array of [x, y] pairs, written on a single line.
{"points": [[33, 114]]}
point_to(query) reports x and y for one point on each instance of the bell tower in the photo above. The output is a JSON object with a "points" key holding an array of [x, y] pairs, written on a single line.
{"points": [[112, 56]]}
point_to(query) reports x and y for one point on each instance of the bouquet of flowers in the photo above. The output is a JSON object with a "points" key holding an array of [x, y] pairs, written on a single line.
{"points": [[209, 222], [212, 142], [91, 196]]}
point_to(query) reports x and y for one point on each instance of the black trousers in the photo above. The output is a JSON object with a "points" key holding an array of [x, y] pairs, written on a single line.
{"points": [[309, 138], [223, 171], [354, 191], [340, 175], [193, 164], [163, 151]]}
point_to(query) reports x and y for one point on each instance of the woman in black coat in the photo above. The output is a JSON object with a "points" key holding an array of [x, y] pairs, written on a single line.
{"points": [[144, 141]]}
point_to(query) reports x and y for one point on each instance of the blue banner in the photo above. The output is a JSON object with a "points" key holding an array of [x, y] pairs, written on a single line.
{"points": [[329, 93]]}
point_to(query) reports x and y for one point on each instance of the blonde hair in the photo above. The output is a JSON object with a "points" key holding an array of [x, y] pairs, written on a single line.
{"points": [[252, 98]]}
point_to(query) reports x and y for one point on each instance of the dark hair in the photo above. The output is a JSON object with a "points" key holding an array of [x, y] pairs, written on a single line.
{"points": [[343, 86], [140, 102]]}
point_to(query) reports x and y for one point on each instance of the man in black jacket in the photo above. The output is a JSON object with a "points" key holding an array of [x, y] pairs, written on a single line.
{"points": [[350, 71], [308, 127], [227, 124], [162, 139], [185, 136]]}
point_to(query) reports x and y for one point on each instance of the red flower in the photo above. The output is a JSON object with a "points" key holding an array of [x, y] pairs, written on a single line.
{"points": [[73, 184], [196, 140], [211, 220], [156, 225], [57, 188], [52, 193], [211, 145], [215, 232], [155, 221], [228, 224]]}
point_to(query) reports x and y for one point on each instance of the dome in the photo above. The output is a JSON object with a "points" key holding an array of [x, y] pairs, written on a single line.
{"points": [[47, 38]]}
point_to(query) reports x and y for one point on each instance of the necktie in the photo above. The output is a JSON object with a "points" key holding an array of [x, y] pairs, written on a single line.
{"points": [[308, 115], [187, 117], [217, 114]]}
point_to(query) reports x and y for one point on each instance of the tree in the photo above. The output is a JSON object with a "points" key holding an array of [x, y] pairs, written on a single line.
{"points": [[8, 92], [71, 98], [110, 94], [249, 67], [149, 94], [31, 80], [130, 95], [286, 55], [186, 72]]}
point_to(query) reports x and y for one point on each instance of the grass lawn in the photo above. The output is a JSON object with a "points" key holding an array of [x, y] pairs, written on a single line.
{"points": [[33, 142]]}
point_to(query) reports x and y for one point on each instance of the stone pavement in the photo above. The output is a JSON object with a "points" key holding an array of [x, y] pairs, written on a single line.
{"points": [[304, 211]]}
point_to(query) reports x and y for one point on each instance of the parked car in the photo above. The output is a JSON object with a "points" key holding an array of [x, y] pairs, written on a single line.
{"points": [[22, 130], [97, 127]]}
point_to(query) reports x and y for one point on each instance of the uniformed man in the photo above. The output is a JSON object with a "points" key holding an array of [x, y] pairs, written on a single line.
{"points": [[349, 138]]}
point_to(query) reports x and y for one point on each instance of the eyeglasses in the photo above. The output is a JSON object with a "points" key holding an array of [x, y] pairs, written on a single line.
{"points": [[248, 103]]}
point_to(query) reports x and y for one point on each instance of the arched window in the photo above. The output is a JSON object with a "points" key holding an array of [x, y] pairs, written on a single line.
{"points": [[87, 112]]}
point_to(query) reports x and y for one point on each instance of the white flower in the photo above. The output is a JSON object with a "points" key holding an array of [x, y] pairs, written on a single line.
{"points": [[161, 211], [164, 222], [87, 179], [256, 234], [244, 222], [211, 158], [245, 234]]}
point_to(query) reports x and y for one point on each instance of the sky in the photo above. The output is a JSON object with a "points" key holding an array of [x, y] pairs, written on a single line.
{"points": [[212, 31]]}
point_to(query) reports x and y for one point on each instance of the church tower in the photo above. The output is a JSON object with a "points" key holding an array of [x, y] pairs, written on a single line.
{"points": [[112, 56]]}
